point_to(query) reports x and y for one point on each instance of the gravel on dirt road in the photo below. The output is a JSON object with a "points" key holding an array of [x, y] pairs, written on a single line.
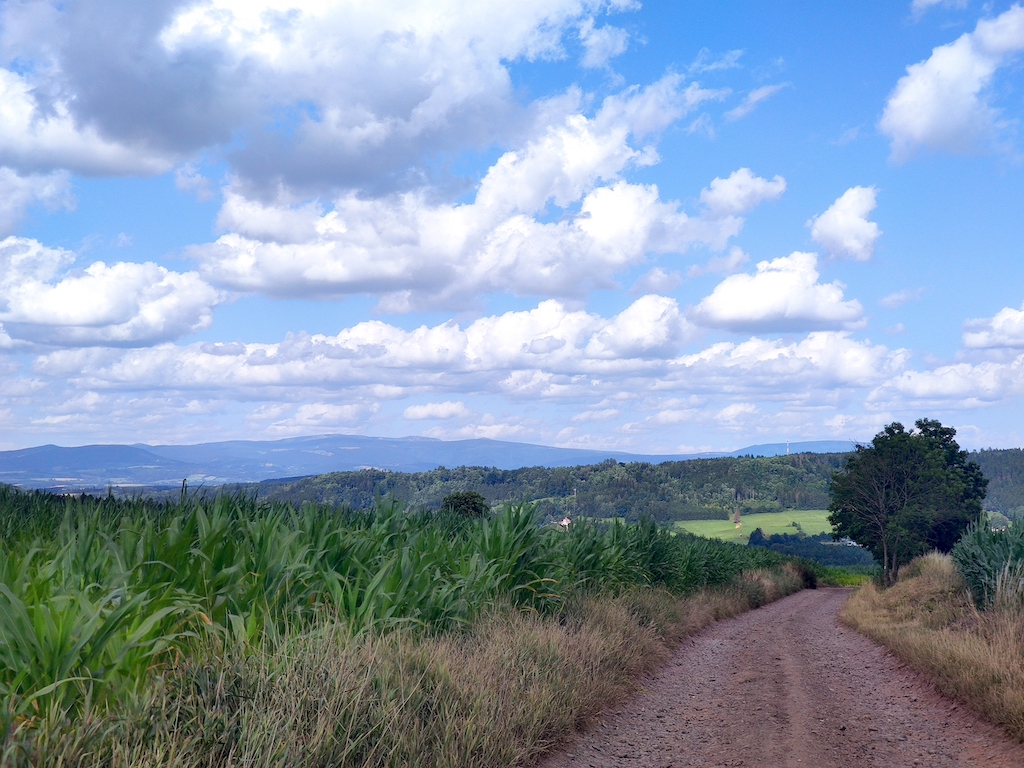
{"points": [[787, 685]]}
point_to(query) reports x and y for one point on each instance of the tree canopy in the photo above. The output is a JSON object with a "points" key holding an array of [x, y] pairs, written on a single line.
{"points": [[466, 504], [907, 493]]}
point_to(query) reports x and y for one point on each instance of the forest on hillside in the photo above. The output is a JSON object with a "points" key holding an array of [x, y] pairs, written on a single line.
{"points": [[675, 490], [699, 489], [1004, 469]]}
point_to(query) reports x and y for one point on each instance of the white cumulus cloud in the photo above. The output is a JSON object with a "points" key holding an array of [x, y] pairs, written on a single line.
{"points": [[187, 178], [34, 138], [416, 253], [784, 294], [727, 264], [656, 280], [963, 385], [731, 414], [1004, 329], [844, 229], [600, 414], [546, 354], [651, 326], [449, 409], [18, 192], [390, 83], [943, 101], [601, 44], [549, 338], [320, 415], [122, 304], [740, 192], [369, 91], [819, 361]]}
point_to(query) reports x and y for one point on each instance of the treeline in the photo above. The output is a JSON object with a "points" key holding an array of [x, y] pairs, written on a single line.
{"points": [[1005, 472], [677, 490], [821, 548]]}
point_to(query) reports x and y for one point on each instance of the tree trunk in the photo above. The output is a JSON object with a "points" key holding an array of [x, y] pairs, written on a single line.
{"points": [[886, 580], [891, 570]]}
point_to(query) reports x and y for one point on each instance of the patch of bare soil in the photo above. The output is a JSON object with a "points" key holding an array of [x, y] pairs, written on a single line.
{"points": [[787, 685]]}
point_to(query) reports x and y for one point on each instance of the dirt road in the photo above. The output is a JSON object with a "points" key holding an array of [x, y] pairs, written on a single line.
{"points": [[786, 685]]}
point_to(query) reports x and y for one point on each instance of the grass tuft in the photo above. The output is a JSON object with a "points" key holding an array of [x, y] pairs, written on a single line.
{"points": [[928, 619]]}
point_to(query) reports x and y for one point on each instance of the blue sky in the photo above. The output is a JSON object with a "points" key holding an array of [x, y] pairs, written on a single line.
{"points": [[650, 226]]}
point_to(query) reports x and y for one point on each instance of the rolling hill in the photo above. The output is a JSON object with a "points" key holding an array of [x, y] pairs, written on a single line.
{"points": [[92, 467]]}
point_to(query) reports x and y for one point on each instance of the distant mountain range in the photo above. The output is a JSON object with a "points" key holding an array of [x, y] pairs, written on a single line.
{"points": [[92, 467]]}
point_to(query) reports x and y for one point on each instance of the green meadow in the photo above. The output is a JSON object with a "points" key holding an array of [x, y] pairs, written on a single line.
{"points": [[811, 521]]}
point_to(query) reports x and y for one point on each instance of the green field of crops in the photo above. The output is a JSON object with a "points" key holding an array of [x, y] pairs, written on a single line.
{"points": [[812, 521], [126, 620]]}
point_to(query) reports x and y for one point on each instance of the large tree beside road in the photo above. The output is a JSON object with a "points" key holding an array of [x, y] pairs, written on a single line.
{"points": [[907, 493]]}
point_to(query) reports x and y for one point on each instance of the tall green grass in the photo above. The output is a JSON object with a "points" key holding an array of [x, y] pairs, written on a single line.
{"points": [[992, 563], [104, 601]]}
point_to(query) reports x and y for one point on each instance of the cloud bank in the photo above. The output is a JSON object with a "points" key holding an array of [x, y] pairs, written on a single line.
{"points": [[122, 304], [415, 253]]}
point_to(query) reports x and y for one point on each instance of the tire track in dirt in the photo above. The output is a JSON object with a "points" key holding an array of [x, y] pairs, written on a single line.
{"points": [[787, 685]]}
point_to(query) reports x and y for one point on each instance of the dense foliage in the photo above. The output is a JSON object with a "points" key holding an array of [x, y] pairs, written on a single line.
{"points": [[821, 549], [1005, 472], [991, 562], [677, 490], [907, 493], [99, 595], [465, 504]]}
